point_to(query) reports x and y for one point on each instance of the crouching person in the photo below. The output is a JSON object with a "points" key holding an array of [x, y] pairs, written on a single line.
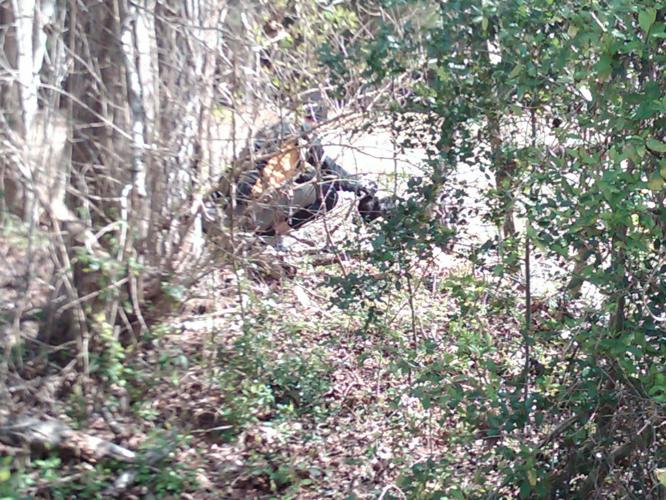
{"points": [[287, 180]]}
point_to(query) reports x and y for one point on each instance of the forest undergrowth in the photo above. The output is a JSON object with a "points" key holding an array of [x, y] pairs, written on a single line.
{"points": [[259, 386], [151, 350]]}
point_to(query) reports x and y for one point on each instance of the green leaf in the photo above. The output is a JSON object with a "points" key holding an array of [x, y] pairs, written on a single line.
{"points": [[516, 70], [572, 31], [604, 66], [647, 18], [656, 183], [656, 145], [661, 476]]}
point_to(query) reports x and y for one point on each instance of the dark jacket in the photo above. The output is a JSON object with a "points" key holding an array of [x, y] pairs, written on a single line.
{"points": [[283, 155]]}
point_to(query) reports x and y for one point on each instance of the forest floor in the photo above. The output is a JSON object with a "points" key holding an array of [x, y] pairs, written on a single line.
{"points": [[288, 396], [259, 385]]}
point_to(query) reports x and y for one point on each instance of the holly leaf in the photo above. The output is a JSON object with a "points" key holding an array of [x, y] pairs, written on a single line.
{"points": [[655, 183], [516, 70], [646, 19], [656, 145]]}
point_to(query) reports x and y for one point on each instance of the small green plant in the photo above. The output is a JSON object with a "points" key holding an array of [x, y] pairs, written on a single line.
{"points": [[13, 480], [260, 382], [276, 474], [61, 481], [157, 469], [110, 360], [175, 292]]}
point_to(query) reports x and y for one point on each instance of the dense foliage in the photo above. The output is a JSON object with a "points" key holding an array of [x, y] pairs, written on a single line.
{"points": [[563, 103]]}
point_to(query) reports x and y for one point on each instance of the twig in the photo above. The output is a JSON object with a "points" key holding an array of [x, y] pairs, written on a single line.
{"points": [[559, 429], [389, 488], [412, 310], [527, 328], [135, 94], [92, 295], [127, 478]]}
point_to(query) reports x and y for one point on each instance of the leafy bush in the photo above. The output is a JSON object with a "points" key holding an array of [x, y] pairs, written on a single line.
{"points": [[260, 382], [561, 104]]}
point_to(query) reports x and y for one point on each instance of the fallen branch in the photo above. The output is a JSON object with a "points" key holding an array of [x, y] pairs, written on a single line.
{"points": [[126, 479], [559, 429], [49, 433], [327, 261]]}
